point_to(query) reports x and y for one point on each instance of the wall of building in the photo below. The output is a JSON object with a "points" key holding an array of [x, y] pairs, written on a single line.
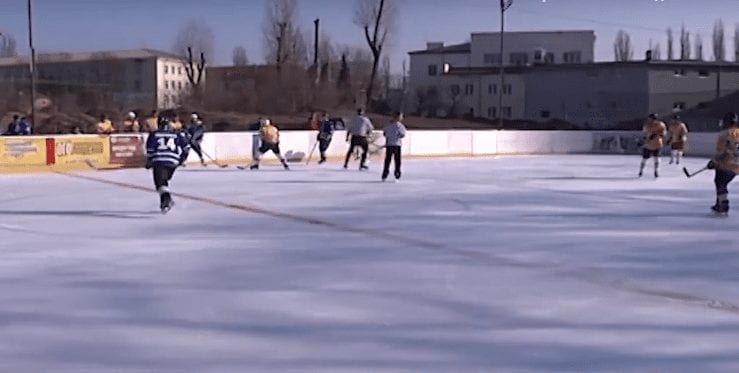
{"points": [[670, 87], [596, 97], [482, 99], [419, 77], [172, 82], [555, 42]]}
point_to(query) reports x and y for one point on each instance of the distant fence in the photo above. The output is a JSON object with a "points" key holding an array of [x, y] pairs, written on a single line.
{"points": [[74, 152]]}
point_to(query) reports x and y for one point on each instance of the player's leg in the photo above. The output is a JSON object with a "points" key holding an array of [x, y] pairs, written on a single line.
{"points": [[352, 145], [645, 154], [322, 147], [262, 149], [198, 150], [386, 165], [655, 154], [276, 149], [364, 144], [398, 157], [722, 180], [162, 175]]}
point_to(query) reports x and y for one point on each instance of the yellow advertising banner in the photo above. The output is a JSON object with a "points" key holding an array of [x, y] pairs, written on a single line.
{"points": [[79, 150], [17, 152]]}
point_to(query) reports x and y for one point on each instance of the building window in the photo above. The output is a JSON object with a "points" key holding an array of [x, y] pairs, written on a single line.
{"points": [[447, 67], [166, 84], [179, 70], [469, 89], [679, 73], [519, 59], [572, 57], [545, 114], [455, 89], [492, 89], [491, 58], [506, 111], [492, 112], [166, 69], [678, 106], [703, 74], [507, 89], [433, 70], [179, 86]]}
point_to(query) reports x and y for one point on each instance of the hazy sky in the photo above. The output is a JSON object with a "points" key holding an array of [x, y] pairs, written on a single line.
{"points": [[88, 25]]}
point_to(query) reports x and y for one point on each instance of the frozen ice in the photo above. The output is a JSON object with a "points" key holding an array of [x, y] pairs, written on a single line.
{"points": [[515, 264]]}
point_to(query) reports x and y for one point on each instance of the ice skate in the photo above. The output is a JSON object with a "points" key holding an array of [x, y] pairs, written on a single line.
{"points": [[254, 167]]}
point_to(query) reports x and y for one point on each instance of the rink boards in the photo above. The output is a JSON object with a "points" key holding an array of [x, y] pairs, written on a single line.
{"points": [[72, 152]]}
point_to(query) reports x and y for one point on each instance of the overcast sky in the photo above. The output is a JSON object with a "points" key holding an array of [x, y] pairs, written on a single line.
{"points": [[89, 25]]}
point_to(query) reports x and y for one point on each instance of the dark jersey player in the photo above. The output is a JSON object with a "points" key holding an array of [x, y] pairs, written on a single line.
{"points": [[165, 151]]}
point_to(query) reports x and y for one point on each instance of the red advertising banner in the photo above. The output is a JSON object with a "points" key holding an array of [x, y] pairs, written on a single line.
{"points": [[127, 150]]}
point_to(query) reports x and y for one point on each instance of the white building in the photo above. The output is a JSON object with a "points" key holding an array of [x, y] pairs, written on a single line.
{"points": [[438, 73], [140, 78]]}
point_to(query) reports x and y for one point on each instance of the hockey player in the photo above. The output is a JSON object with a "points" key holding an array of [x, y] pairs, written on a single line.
{"points": [[394, 133], [196, 132], [325, 134], [678, 138], [165, 151], [726, 162], [654, 137], [131, 124], [359, 128], [270, 136], [105, 126]]}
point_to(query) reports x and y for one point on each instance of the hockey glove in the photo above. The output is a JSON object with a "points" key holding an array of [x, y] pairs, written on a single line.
{"points": [[148, 164], [711, 165]]}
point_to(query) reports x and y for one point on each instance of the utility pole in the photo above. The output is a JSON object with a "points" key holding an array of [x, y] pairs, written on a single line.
{"points": [[504, 5], [32, 64], [316, 66]]}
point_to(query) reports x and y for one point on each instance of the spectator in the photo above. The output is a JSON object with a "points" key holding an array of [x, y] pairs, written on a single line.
{"points": [[131, 124], [24, 127], [13, 126], [313, 122], [176, 124], [76, 130], [105, 126]]}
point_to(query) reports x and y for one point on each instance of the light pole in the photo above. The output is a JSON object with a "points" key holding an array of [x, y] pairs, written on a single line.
{"points": [[504, 5], [32, 64]]}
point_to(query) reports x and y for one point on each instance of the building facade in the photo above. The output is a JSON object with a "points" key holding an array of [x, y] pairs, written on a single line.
{"points": [[436, 71], [141, 78]]}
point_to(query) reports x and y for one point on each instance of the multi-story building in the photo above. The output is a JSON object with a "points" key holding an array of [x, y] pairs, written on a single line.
{"points": [[436, 71], [141, 78]]}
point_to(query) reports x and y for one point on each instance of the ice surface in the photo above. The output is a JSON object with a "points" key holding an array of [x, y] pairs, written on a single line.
{"points": [[508, 264]]}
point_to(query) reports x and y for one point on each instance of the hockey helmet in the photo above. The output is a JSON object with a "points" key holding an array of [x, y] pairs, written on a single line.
{"points": [[194, 117], [652, 116], [729, 120], [131, 115], [264, 122], [165, 118]]}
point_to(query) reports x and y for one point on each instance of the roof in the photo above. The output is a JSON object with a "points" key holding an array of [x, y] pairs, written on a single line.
{"points": [[89, 56], [724, 66], [536, 32], [451, 49]]}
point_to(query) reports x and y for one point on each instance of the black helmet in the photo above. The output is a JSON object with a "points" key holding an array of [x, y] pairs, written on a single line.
{"points": [[676, 117], [165, 118], [652, 116]]}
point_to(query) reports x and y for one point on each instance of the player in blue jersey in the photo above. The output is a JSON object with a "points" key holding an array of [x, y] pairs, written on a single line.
{"points": [[165, 151]]}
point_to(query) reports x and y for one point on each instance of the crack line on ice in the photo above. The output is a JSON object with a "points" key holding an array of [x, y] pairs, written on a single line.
{"points": [[554, 268]]}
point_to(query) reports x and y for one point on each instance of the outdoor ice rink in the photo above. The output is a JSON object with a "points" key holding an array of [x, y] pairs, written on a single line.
{"points": [[505, 264]]}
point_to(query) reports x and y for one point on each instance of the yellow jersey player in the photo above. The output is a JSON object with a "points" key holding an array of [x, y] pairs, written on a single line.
{"points": [[678, 138], [654, 138], [726, 162], [105, 126], [270, 136]]}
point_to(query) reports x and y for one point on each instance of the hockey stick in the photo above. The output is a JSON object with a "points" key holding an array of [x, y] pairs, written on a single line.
{"points": [[221, 165], [310, 155], [689, 175]]}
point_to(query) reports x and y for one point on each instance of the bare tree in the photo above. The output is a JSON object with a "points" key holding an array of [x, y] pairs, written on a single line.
{"points": [[386, 75], [284, 42], [239, 57], [719, 45], [194, 42], [377, 19], [7, 46], [622, 48], [684, 44], [657, 52], [736, 42], [670, 45], [698, 46]]}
